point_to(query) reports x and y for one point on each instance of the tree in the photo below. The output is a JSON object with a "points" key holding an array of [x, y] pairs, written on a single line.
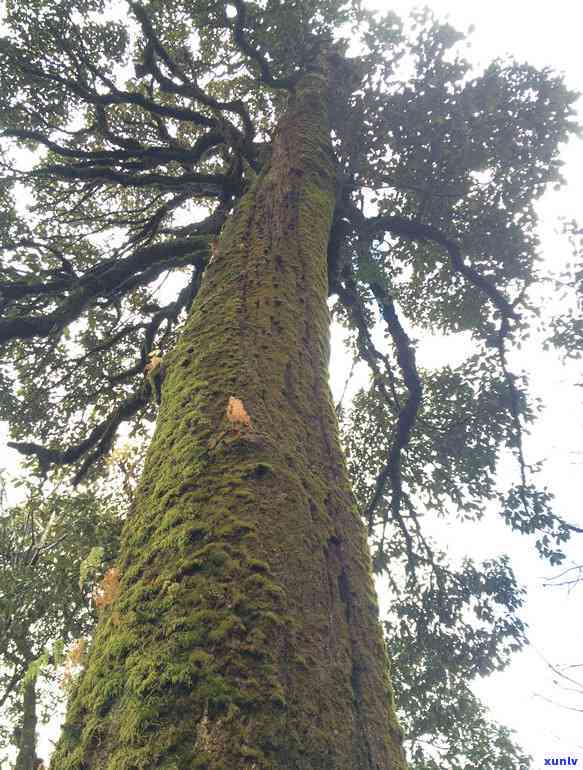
{"points": [[567, 328], [44, 546], [397, 181], [447, 623]]}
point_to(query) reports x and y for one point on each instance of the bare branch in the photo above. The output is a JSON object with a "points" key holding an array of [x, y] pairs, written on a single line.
{"points": [[103, 281], [99, 440]]}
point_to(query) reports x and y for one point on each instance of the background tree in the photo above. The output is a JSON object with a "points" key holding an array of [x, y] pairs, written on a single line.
{"points": [[447, 623], [567, 327], [44, 600], [565, 678], [418, 180]]}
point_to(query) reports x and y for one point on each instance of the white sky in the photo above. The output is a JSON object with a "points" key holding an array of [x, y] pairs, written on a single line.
{"points": [[545, 35]]}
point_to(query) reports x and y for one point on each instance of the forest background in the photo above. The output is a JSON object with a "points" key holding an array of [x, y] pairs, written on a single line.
{"points": [[548, 719]]}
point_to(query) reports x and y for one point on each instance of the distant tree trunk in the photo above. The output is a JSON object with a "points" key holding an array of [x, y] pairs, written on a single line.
{"points": [[245, 632], [27, 737]]}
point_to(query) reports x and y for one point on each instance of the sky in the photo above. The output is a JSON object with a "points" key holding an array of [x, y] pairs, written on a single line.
{"points": [[524, 696], [545, 35]]}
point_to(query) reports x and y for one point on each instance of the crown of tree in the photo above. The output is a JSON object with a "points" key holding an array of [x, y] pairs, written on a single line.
{"points": [[127, 145]]}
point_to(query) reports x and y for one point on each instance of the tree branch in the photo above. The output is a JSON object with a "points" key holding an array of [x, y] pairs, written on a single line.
{"points": [[11, 686], [188, 87], [160, 154], [114, 96], [102, 281], [100, 439], [407, 414], [406, 417], [204, 184], [409, 228], [245, 46]]}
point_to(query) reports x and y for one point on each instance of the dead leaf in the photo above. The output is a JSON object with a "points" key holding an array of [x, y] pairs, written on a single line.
{"points": [[236, 412]]}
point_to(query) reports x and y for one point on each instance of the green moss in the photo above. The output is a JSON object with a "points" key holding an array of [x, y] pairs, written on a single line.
{"points": [[259, 470], [258, 566], [226, 628], [235, 527], [231, 647]]}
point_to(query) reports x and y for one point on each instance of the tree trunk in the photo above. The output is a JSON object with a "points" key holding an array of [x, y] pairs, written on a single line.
{"points": [[27, 738], [245, 633]]}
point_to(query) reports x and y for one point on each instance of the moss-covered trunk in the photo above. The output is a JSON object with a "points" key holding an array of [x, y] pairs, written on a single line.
{"points": [[27, 738], [245, 632]]}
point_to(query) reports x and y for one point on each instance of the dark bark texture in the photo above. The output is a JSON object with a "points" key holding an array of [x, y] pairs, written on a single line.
{"points": [[245, 631], [26, 758]]}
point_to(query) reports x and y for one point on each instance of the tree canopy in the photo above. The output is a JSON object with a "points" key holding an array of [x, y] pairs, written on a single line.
{"points": [[128, 138]]}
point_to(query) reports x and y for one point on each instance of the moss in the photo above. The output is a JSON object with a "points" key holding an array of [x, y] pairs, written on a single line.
{"points": [[202, 762], [259, 470], [235, 527], [226, 627], [234, 647]]}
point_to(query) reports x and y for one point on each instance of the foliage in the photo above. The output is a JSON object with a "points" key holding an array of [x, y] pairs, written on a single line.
{"points": [[127, 142], [440, 639], [446, 625], [44, 540], [567, 328], [90, 564]]}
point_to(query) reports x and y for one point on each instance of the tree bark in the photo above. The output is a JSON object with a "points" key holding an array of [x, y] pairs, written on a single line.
{"points": [[245, 633], [26, 757]]}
